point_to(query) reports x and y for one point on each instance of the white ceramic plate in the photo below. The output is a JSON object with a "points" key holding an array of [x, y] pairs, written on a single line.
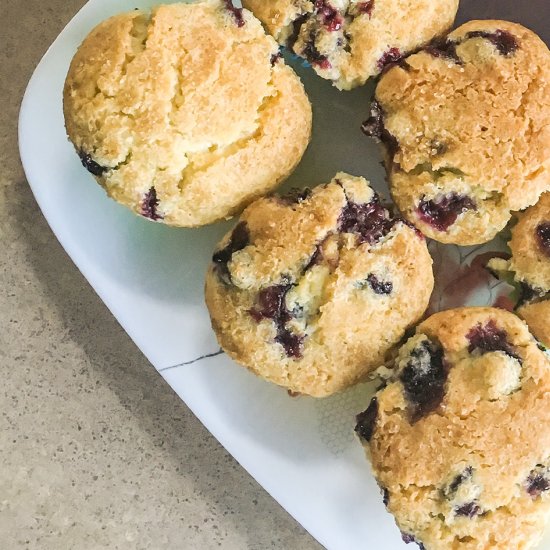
{"points": [[301, 450]]}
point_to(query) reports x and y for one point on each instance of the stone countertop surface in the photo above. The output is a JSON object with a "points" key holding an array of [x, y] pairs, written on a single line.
{"points": [[96, 451]]}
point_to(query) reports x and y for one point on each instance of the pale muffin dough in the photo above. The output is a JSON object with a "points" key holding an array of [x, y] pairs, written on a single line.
{"points": [[348, 41], [466, 124], [459, 439], [312, 290], [185, 114]]}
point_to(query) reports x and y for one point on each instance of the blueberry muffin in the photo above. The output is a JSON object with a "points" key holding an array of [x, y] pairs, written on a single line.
{"points": [[312, 289], [348, 41], [528, 269], [459, 439], [466, 127], [177, 113]]}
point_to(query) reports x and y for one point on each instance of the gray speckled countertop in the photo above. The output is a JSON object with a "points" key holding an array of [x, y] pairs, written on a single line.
{"points": [[96, 451]]}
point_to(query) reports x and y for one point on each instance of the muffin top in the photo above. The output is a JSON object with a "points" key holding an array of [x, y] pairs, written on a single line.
{"points": [[312, 290], [178, 112], [466, 123], [451, 436]]}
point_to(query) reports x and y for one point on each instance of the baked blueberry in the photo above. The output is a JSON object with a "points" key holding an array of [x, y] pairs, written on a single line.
{"points": [[237, 13], [538, 481], [370, 221], [239, 239], [366, 423], [505, 42], [424, 376], [543, 237], [443, 211], [149, 205], [379, 286], [489, 337], [391, 56], [91, 165]]}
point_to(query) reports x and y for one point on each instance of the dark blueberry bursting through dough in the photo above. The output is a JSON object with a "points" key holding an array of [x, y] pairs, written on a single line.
{"points": [[392, 56], [366, 421], [370, 221], [443, 212], [458, 481], [374, 127], [504, 42], [332, 19], [313, 55], [275, 58], [385, 497], [378, 286], [538, 482], [468, 510], [292, 343], [272, 305], [236, 12], [366, 7], [407, 539], [528, 293], [295, 196], [487, 338], [316, 258], [296, 28], [240, 238], [444, 49], [543, 237], [149, 205], [438, 147], [91, 165], [424, 378]]}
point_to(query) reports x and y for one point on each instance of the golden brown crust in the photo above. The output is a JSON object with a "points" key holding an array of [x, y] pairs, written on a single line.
{"points": [[464, 474], [530, 264], [537, 316], [529, 268], [349, 41], [471, 118], [346, 328], [187, 102]]}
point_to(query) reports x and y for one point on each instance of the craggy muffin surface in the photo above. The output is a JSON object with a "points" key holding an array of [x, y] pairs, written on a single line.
{"points": [[312, 289], [466, 125], [459, 439], [350, 41], [529, 267], [177, 113]]}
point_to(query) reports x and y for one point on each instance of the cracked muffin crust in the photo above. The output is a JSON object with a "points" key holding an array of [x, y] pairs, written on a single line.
{"points": [[452, 437], [348, 41], [528, 269], [177, 113], [311, 290], [466, 127]]}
